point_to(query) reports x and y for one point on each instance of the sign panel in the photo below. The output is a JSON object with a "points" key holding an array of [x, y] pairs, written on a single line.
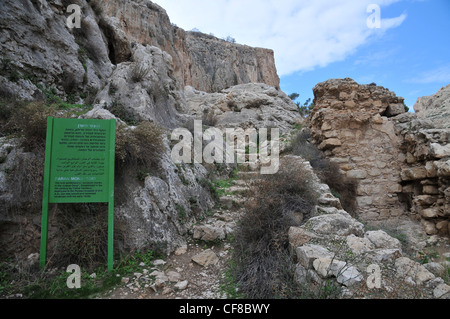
{"points": [[80, 161], [79, 168]]}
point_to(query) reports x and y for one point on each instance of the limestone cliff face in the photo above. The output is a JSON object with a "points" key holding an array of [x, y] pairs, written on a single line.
{"points": [[204, 62], [400, 159], [435, 108], [35, 39], [218, 64], [38, 49], [127, 56]]}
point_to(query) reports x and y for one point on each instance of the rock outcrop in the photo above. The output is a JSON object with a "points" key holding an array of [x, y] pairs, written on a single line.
{"points": [[400, 159], [131, 63], [164, 208], [44, 52], [435, 108], [199, 60], [244, 106], [426, 147], [218, 64], [38, 50]]}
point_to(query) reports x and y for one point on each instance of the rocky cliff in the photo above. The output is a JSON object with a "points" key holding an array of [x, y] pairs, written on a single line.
{"points": [[126, 61], [435, 108], [205, 62], [400, 159], [37, 42]]}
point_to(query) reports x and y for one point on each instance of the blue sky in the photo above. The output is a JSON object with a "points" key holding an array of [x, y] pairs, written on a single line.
{"points": [[323, 39], [413, 59]]}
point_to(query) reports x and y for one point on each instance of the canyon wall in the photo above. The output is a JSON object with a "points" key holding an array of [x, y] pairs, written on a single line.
{"points": [[202, 61], [400, 159], [128, 62], [37, 44]]}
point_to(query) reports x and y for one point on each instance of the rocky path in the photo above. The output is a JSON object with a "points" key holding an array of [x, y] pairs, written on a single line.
{"points": [[197, 270]]}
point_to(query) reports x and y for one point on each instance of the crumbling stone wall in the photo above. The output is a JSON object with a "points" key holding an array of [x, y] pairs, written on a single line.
{"points": [[350, 125], [425, 179], [400, 160]]}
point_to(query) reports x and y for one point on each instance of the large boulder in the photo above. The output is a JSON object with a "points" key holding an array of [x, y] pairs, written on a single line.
{"points": [[335, 224], [412, 271], [435, 107], [244, 106]]}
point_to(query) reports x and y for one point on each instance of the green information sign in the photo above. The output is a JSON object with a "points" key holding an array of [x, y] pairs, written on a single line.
{"points": [[79, 168]]}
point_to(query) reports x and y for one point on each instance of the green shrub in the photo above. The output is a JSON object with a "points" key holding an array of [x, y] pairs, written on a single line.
{"points": [[181, 213], [124, 113], [131, 264]]}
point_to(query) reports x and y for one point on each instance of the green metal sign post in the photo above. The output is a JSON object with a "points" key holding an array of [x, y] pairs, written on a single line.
{"points": [[79, 168]]}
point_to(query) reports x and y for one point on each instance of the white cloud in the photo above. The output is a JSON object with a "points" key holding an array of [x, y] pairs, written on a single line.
{"points": [[376, 58], [304, 34], [437, 75]]}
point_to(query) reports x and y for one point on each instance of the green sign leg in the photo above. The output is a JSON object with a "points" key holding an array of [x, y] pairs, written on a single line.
{"points": [[45, 198], [112, 143], [110, 236], [44, 231]]}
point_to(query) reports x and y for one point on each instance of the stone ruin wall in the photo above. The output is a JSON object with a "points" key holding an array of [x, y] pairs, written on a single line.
{"points": [[400, 160]]}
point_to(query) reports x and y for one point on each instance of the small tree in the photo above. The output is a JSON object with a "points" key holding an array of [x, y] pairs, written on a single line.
{"points": [[294, 96], [230, 39], [304, 109]]}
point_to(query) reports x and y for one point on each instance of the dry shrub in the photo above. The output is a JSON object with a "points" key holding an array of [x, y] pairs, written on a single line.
{"points": [[209, 118], [264, 269], [138, 155], [85, 240], [6, 110], [141, 147], [29, 120], [25, 182], [139, 72], [329, 173], [301, 146], [126, 114]]}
